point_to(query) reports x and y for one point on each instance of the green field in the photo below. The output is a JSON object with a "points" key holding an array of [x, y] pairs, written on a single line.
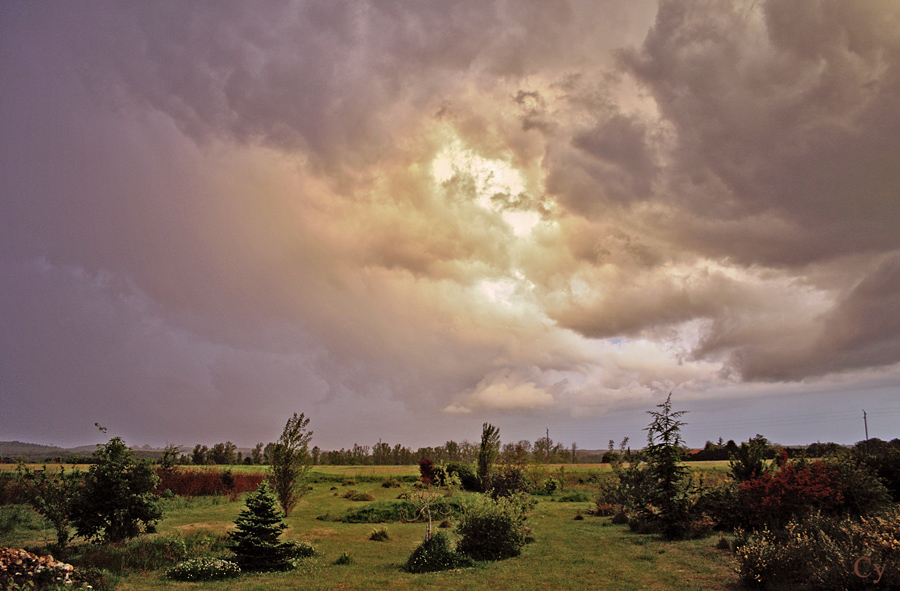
{"points": [[590, 553]]}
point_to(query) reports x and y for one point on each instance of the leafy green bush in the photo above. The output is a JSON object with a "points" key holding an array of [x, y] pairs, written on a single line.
{"points": [[99, 579], [824, 553], [116, 501], [574, 496], [203, 569], [494, 529], [399, 510], [143, 554], [466, 474], [301, 549], [508, 481], [435, 554], [357, 496], [379, 535]]}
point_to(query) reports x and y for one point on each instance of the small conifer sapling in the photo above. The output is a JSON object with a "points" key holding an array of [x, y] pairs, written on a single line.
{"points": [[255, 543]]}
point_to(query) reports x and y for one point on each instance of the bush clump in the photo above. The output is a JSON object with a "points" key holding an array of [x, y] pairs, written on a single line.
{"points": [[824, 553], [354, 495], [494, 529], [466, 474], [435, 554], [203, 569], [399, 510], [801, 488]]}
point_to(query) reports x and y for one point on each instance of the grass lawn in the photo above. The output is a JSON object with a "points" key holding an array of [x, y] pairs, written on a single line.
{"points": [[568, 554]]}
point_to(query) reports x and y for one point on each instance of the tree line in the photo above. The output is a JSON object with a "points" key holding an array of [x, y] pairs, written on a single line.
{"points": [[542, 450]]}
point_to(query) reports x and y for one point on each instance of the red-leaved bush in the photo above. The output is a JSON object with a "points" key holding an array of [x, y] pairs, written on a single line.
{"points": [[794, 491], [197, 483]]}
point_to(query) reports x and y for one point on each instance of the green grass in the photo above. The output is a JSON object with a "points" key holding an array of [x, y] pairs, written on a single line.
{"points": [[568, 554]]}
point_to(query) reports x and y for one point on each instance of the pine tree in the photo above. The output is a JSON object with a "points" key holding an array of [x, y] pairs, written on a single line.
{"points": [[255, 543]]}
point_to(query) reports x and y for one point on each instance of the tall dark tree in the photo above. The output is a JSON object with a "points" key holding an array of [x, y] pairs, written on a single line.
{"points": [[487, 453], [257, 529], [664, 452]]}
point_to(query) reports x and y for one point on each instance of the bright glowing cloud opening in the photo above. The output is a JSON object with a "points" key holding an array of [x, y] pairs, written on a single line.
{"points": [[491, 177]]}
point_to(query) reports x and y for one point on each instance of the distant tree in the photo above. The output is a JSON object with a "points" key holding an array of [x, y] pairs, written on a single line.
{"points": [[116, 501], [487, 453], [170, 457], [200, 455], [257, 454], [291, 462], [749, 460], [223, 453]]}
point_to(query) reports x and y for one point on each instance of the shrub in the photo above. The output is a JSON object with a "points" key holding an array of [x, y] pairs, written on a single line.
{"points": [[796, 490], [400, 510], [203, 569], [551, 485], [749, 460], [97, 578], [883, 458], [722, 504], [206, 482], [52, 495], [426, 471], [508, 481], [824, 553], [358, 496], [137, 555], [344, 558], [494, 529], [116, 501], [12, 489], [574, 496], [435, 554], [863, 492], [379, 535], [255, 543], [391, 482], [381, 512], [301, 549], [466, 474]]}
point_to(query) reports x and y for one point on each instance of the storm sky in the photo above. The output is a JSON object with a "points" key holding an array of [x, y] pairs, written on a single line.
{"points": [[405, 219]]}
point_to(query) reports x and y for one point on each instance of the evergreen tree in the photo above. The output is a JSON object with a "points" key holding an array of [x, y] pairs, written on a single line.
{"points": [[255, 543], [664, 452]]}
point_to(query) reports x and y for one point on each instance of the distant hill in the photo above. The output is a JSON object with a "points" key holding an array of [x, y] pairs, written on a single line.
{"points": [[35, 452], [29, 451]]}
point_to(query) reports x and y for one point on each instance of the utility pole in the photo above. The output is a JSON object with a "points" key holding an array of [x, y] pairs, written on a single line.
{"points": [[866, 425], [548, 444]]}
